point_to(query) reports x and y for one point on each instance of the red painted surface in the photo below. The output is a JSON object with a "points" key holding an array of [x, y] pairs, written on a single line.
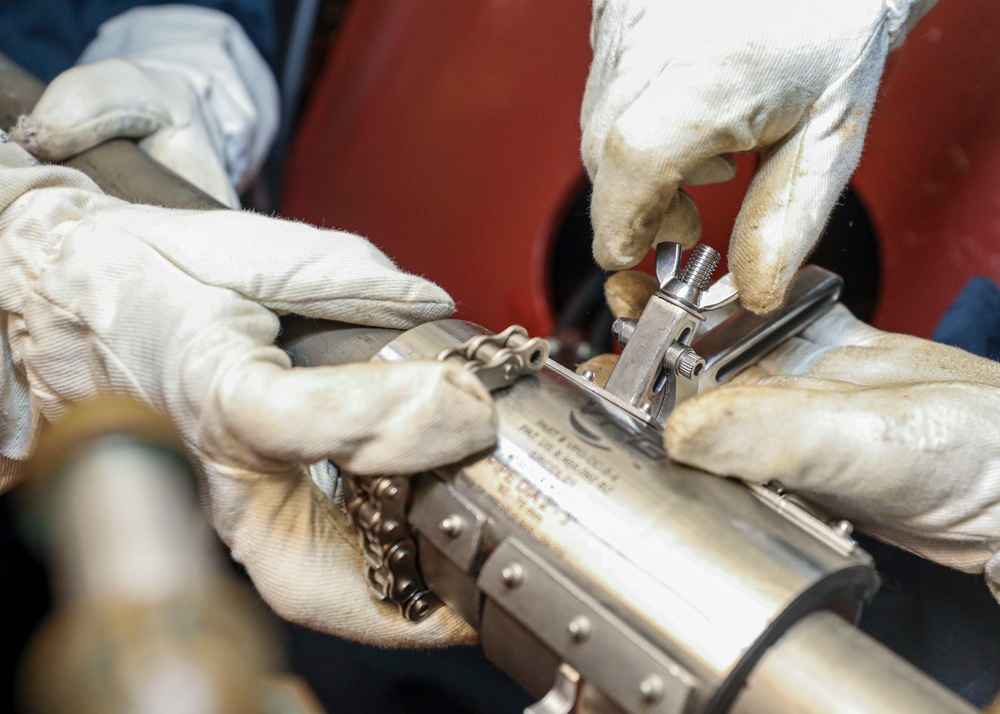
{"points": [[441, 132], [447, 132], [931, 171]]}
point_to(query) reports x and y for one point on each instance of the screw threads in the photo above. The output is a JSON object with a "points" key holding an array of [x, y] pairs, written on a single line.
{"points": [[622, 329], [700, 267]]}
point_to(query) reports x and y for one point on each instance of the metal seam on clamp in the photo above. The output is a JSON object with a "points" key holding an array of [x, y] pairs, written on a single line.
{"points": [[602, 648]]}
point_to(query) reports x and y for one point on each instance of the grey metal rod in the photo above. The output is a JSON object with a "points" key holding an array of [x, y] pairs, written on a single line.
{"points": [[825, 665]]}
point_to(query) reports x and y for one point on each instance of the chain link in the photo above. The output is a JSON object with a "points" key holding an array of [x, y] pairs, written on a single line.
{"points": [[499, 360], [377, 507]]}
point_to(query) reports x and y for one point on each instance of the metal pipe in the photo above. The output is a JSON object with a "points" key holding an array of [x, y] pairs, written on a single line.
{"points": [[823, 665]]}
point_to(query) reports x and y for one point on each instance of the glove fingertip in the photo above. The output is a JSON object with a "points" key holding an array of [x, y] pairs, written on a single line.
{"points": [[27, 131], [692, 427], [716, 169], [625, 217], [628, 291], [442, 414], [478, 400], [681, 222], [472, 415], [427, 302], [763, 271], [616, 249], [760, 294], [54, 143]]}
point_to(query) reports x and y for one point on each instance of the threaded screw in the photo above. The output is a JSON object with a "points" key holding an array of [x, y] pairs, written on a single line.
{"points": [[700, 267], [622, 329]]}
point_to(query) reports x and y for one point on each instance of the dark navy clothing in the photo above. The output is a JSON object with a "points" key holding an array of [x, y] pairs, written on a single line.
{"points": [[46, 36], [973, 320]]}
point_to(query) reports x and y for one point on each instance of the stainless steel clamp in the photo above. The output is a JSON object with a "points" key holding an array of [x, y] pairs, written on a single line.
{"points": [[692, 336]]}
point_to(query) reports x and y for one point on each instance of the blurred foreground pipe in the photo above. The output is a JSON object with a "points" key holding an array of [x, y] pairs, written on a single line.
{"points": [[147, 618]]}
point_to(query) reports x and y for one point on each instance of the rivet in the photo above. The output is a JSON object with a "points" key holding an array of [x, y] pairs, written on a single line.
{"points": [[420, 607], [405, 588], [623, 328], [386, 490], [843, 527], [651, 689], [579, 629], [452, 526], [388, 528], [512, 575]]}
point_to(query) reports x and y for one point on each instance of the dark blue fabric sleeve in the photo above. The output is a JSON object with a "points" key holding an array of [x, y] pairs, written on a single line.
{"points": [[46, 36], [973, 320]]}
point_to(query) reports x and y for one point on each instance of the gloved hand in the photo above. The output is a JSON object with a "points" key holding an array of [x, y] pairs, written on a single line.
{"points": [[896, 433], [177, 308], [186, 80], [676, 85]]}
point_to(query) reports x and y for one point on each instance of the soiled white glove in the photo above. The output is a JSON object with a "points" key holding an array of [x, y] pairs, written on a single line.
{"points": [[677, 84], [177, 308], [899, 434], [186, 80]]}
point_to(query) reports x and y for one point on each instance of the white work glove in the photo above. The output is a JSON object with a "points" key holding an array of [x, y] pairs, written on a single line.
{"points": [[898, 434], [676, 86], [177, 309], [185, 80]]}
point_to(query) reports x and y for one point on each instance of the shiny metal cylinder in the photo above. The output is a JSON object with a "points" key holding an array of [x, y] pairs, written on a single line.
{"points": [[696, 567], [578, 532], [823, 664]]}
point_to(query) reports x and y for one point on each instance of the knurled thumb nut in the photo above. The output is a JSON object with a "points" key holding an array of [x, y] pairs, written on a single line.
{"points": [[689, 363]]}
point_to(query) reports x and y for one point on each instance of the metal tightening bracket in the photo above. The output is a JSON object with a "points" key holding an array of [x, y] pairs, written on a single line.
{"points": [[657, 357], [664, 358]]}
